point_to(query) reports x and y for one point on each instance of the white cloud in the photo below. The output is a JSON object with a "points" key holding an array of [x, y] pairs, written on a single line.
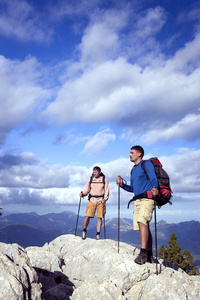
{"points": [[158, 96], [100, 41], [99, 141], [150, 22], [21, 93], [31, 180], [187, 128], [18, 19], [183, 169]]}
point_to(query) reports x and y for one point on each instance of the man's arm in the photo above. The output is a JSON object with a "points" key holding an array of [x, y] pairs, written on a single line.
{"points": [[123, 185], [86, 190], [106, 194]]}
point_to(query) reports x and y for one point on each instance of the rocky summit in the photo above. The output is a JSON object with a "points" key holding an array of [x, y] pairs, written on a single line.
{"points": [[72, 268]]}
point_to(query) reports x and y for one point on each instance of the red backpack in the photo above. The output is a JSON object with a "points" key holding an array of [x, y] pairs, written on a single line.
{"points": [[165, 192]]}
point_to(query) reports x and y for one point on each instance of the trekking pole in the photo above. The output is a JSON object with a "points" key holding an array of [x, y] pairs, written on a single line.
{"points": [[104, 220], [156, 240], [104, 227], [78, 215], [118, 215]]}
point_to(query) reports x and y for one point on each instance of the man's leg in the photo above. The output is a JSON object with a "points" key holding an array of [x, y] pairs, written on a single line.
{"points": [[85, 225], [99, 224], [144, 235], [100, 215], [146, 244], [86, 222], [90, 212]]}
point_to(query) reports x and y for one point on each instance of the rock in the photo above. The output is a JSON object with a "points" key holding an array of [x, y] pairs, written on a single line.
{"points": [[93, 289], [45, 259], [70, 268], [18, 279]]}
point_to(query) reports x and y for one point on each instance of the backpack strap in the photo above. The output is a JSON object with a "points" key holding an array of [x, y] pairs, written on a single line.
{"points": [[143, 168], [103, 181]]}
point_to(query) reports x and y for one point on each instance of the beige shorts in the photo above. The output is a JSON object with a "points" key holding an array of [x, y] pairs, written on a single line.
{"points": [[143, 211], [92, 208]]}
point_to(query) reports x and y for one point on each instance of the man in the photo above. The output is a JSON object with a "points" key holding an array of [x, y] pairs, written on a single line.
{"points": [[143, 207], [98, 189]]}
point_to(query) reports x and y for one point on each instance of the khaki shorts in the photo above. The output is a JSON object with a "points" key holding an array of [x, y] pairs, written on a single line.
{"points": [[143, 211], [92, 208]]}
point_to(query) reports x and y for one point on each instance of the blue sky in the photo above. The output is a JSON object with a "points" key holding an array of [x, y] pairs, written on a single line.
{"points": [[83, 81]]}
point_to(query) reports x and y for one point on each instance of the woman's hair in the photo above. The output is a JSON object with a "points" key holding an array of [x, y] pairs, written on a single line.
{"points": [[138, 149]]}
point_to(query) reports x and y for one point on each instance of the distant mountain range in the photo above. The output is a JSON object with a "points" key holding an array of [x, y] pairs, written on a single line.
{"points": [[31, 229]]}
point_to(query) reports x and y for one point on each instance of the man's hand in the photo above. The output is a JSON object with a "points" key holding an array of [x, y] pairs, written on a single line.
{"points": [[81, 194], [155, 191], [101, 201], [119, 181]]}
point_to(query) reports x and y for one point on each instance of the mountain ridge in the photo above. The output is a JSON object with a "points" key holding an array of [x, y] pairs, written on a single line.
{"points": [[47, 227]]}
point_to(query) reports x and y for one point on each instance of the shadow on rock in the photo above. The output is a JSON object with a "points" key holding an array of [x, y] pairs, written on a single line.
{"points": [[170, 265], [55, 285]]}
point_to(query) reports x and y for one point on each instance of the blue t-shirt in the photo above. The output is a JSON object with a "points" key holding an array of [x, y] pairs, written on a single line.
{"points": [[138, 180]]}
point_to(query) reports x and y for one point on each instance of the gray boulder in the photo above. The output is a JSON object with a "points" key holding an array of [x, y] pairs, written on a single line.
{"points": [[18, 279]]}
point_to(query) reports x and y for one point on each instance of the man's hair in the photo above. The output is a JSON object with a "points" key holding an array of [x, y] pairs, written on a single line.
{"points": [[97, 168], [138, 149]]}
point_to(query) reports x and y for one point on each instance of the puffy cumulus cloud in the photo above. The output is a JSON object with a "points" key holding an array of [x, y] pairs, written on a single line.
{"points": [[27, 171], [186, 59], [183, 169], [101, 39], [161, 95], [31, 181], [28, 196], [121, 166], [19, 19], [188, 128], [10, 160], [103, 93], [93, 144], [21, 92], [99, 141]]}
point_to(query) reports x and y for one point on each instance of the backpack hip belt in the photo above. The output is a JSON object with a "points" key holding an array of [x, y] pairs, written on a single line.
{"points": [[90, 196], [147, 194]]}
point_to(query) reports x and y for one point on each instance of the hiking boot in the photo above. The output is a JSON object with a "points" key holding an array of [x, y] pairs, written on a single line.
{"points": [[98, 236], [83, 235], [141, 259], [150, 259]]}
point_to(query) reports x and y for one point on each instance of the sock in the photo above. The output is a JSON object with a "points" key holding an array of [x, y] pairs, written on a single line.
{"points": [[143, 251], [98, 233], [84, 229]]}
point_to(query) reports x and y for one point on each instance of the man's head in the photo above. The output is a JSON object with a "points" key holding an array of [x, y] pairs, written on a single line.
{"points": [[136, 154], [96, 171]]}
